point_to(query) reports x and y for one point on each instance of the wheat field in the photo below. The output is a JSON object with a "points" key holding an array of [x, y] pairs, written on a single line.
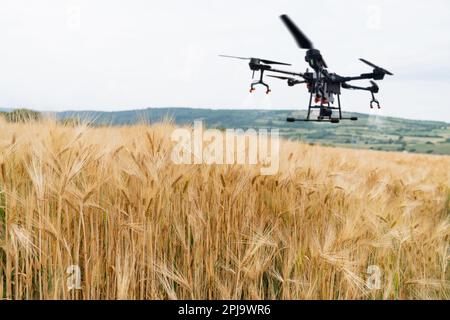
{"points": [[110, 201]]}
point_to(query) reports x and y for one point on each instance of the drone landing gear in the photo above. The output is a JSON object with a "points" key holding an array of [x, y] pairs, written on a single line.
{"points": [[326, 112], [331, 120], [253, 89], [374, 102], [261, 82]]}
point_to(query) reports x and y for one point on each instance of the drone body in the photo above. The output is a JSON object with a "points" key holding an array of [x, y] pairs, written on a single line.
{"points": [[322, 85]]}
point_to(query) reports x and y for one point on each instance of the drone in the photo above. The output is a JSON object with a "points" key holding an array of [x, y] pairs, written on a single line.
{"points": [[322, 85]]}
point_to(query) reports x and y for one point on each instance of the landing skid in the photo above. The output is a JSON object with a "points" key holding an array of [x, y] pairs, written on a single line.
{"points": [[331, 120], [325, 113]]}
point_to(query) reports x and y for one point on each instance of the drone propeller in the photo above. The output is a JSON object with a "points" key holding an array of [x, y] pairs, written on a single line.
{"points": [[302, 41], [265, 61], [376, 67], [274, 62], [234, 57]]}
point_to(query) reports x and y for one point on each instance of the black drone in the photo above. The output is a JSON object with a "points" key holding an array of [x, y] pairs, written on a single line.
{"points": [[322, 85]]}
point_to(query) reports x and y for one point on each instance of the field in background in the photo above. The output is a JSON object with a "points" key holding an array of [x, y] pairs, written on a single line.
{"points": [[110, 201], [371, 131]]}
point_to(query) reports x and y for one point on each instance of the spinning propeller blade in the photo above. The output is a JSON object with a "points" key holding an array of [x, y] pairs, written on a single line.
{"points": [[274, 62], [265, 61], [302, 41], [376, 67], [234, 57]]}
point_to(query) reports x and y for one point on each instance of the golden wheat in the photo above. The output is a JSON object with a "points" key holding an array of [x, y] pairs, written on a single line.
{"points": [[111, 201]]}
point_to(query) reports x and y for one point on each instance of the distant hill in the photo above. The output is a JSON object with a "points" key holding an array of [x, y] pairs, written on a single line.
{"points": [[369, 132]]}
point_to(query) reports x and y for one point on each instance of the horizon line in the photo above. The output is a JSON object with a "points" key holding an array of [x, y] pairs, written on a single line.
{"points": [[207, 108]]}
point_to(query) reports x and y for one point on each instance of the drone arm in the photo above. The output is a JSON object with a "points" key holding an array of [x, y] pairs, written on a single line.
{"points": [[373, 76], [288, 73], [350, 87], [373, 89]]}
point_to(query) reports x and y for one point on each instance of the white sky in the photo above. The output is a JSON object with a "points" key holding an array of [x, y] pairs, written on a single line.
{"points": [[115, 55]]}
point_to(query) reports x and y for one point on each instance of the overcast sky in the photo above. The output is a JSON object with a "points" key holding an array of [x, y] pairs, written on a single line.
{"points": [[114, 55]]}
